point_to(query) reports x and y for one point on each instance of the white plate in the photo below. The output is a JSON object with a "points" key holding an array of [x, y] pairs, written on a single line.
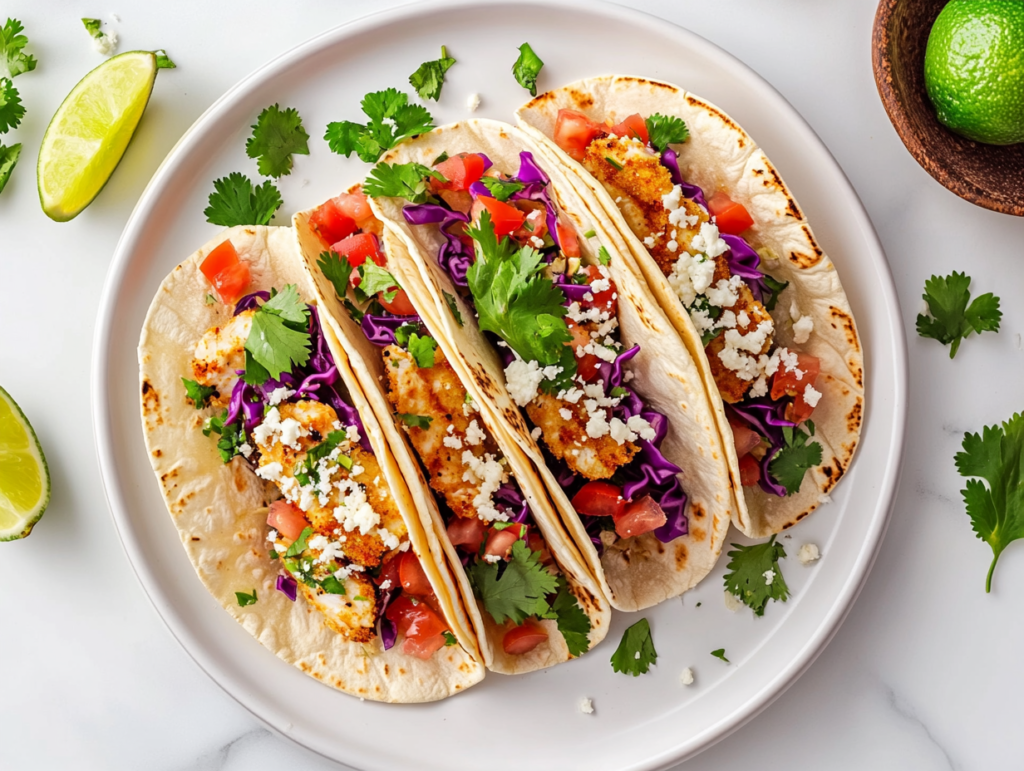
{"points": [[640, 723]]}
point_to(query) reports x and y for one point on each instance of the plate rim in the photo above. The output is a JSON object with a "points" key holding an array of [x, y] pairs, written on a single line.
{"points": [[120, 262]]}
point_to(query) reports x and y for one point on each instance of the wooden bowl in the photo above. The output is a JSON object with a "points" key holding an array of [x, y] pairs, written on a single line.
{"points": [[986, 175]]}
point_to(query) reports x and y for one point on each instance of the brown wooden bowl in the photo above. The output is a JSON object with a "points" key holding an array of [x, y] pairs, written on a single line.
{"points": [[986, 175]]}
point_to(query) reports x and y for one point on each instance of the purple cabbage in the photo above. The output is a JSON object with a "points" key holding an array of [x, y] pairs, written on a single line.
{"points": [[510, 500], [744, 261], [574, 292], [766, 417], [386, 629], [288, 586], [454, 257], [611, 372], [380, 328], [249, 302], [536, 189], [671, 161]]}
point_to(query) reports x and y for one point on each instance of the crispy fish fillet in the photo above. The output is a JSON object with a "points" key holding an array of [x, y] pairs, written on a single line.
{"points": [[219, 353], [353, 619]]}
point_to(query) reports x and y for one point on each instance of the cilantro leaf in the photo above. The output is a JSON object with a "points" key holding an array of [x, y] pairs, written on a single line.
{"points": [[400, 180], [429, 78], [792, 461], [572, 622], [8, 160], [255, 373], [415, 421], [502, 189], [337, 270], [665, 130], [449, 639], [376, 279], [749, 571], [276, 136], [13, 60], [527, 68], [198, 394], [11, 108], [453, 306], [246, 599], [635, 653], [332, 585], [720, 654], [232, 435], [234, 201], [288, 305], [392, 119], [92, 26], [603, 257], [949, 319], [300, 543], [163, 61], [274, 342], [422, 350], [996, 511], [776, 288], [516, 592]]}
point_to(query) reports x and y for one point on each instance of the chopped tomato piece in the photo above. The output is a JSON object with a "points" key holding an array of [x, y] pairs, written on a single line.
{"points": [[798, 410], [567, 240], [505, 217], [640, 517], [599, 499], [461, 171], [356, 206], [731, 217], [228, 274], [574, 131], [400, 305], [419, 623], [606, 299], [389, 573], [535, 225], [499, 542], [523, 639], [423, 647], [745, 438], [790, 382], [632, 126], [587, 365], [750, 470], [287, 519], [410, 573], [467, 532], [459, 200], [331, 223], [358, 247]]}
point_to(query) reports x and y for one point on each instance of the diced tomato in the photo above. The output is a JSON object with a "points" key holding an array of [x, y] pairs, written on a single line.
{"points": [[750, 470], [606, 300], [459, 200], [745, 438], [228, 274], [410, 573], [356, 206], [505, 217], [423, 647], [587, 365], [798, 410], [535, 225], [499, 542], [599, 499], [567, 240], [574, 131], [790, 382], [419, 623], [287, 519], [731, 217], [632, 126], [523, 639], [389, 572], [331, 223], [400, 305], [467, 532], [461, 171], [640, 517], [358, 247]]}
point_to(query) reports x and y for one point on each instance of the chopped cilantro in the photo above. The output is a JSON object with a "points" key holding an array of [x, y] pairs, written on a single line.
{"points": [[332, 585], [309, 471], [428, 79], [8, 160], [360, 598], [353, 311], [404, 332], [665, 130], [996, 511], [603, 257], [618, 392], [392, 119], [276, 136], [776, 288], [376, 279], [949, 318], [502, 189], [415, 421], [792, 461], [13, 60], [273, 554], [527, 68], [209, 299], [278, 339], [720, 654], [234, 201], [453, 306], [198, 394], [635, 653], [400, 180], [300, 543], [163, 61], [589, 234], [441, 158], [246, 599], [232, 435], [92, 26], [748, 571], [449, 639], [11, 109], [572, 622], [614, 163], [422, 350], [515, 589]]}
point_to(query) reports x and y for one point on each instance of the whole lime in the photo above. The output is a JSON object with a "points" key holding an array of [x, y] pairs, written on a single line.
{"points": [[974, 69]]}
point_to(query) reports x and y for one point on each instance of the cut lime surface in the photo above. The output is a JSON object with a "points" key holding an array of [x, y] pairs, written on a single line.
{"points": [[24, 478], [90, 132]]}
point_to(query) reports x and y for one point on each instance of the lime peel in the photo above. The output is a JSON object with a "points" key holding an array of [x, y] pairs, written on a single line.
{"points": [[24, 476]]}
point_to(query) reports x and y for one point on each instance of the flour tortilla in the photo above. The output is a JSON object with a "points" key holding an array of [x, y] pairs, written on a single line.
{"points": [[220, 509], [368, 366], [646, 571], [719, 155]]}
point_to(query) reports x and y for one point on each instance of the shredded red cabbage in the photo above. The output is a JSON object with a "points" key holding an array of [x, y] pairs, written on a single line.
{"points": [[510, 501], [766, 417], [380, 328], [386, 629], [744, 261], [671, 161], [454, 256], [288, 586], [249, 302]]}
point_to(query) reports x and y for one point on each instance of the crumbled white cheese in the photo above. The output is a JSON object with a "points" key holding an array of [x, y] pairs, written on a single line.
{"points": [[270, 471], [272, 536], [536, 243], [524, 377], [802, 329], [474, 434], [732, 602], [811, 395], [492, 558], [389, 539], [452, 441], [691, 275], [385, 584], [278, 395], [352, 434], [587, 706], [649, 242], [687, 676], [473, 102], [601, 285], [808, 553], [536, 433], [488, 474], [106, 43], [246, 449], [355, 511], [769, 576], [709, 241], [724, 293], [565, 413]]}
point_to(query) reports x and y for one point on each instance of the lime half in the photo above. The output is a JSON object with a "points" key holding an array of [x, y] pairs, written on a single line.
{"points": [[90, 132], [24, 479]]}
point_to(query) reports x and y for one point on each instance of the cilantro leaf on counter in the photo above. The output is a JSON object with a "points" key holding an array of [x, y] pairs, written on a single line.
{"points": [[950, 319], [400, 180], [13, 60], [11, 108], [163, 61], [749, 569], [720, 654], [422, 350], [516, 592], [337, 270], [996, 511], [8, 160], [635, 653], [198, 394], [453, 306], [449, 639], [428, 79], [527, 68], [392, 119], [234, 201], [376, 279], [572, 622], [92, 26], [502, 189], [665, 130], [276, 136], [792, 461], [278, 339], [776, 287], [415, 421], [246, 599]]}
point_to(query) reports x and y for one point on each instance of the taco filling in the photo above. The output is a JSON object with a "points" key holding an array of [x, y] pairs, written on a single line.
{"points": [[769, 390]]}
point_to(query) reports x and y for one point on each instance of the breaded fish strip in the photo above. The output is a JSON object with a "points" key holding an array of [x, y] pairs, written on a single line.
{"points": [[219, 353]]}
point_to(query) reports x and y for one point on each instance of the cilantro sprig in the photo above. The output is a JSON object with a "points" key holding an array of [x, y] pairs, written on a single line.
{"points": [[572, 622], [526, 68], [234, 201], [502, 189], [13, 59], [337, 270], [278, 339], [776, 287], [453, 306], [516, 592], [749, 571], [665, 130], [13, 62], [635, 653], [8, 160], [950, 319], [400, 180], [276, 136], [392, 119], [198, 394], [11, 108], [375, 279], [429, 77], [449, 639], [719, 653], [797, 456], [996, 511]]}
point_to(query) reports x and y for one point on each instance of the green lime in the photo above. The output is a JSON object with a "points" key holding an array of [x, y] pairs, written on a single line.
{"points": [[974, 69], [90, 132], [24, 478]]}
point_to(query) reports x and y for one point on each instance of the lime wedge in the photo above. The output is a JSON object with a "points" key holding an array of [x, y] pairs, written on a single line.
{"points": [[90, 132], [24, 479]]}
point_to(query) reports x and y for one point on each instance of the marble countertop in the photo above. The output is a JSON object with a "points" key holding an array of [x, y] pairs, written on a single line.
{"points": [[925, 673]]}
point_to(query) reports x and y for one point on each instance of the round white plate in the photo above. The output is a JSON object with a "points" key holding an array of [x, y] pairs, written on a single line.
{"points": [[639, 723]]}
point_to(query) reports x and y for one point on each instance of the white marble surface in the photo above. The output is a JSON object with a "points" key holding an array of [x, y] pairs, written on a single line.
{"points": [[924, 674]]}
